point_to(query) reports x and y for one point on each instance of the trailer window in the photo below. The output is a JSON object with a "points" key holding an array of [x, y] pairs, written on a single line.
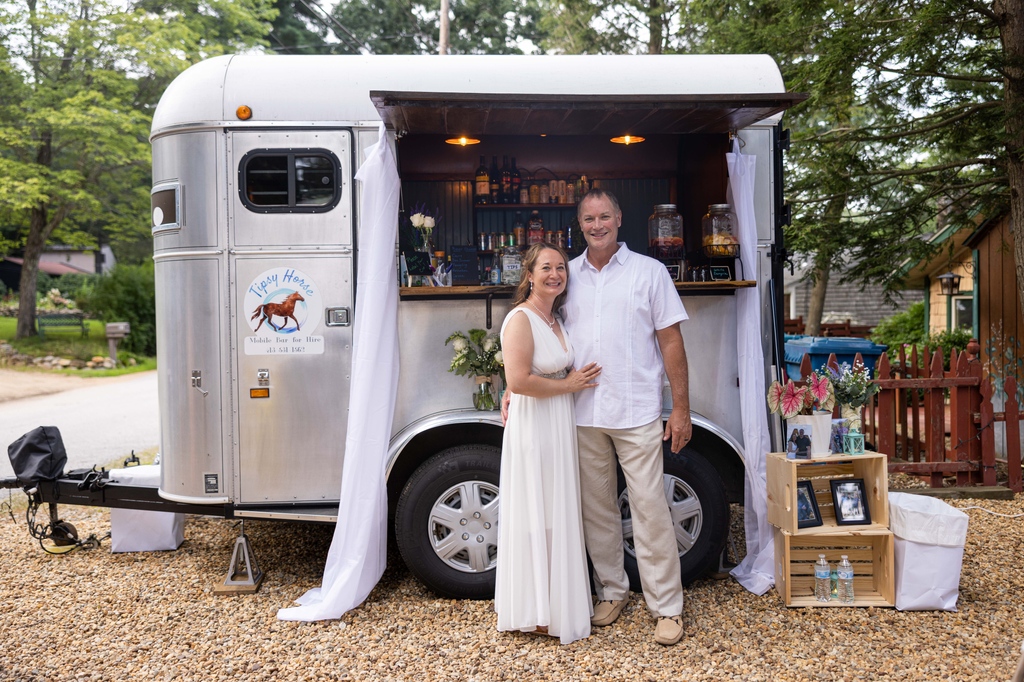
{"points": [[272, 180]]}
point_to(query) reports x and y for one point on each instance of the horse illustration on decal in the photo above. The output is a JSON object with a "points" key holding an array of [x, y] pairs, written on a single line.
{"points": [[286, 309]]}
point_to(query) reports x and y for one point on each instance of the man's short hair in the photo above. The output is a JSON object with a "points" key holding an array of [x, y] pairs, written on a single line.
{"points": [[598, 193]]}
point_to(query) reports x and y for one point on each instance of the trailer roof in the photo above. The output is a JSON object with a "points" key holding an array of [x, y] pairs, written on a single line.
{"points": [[482, 94]]}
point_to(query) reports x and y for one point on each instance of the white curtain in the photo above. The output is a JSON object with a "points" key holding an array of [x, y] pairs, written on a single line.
{"points": [[755, 572], [358, 551]]}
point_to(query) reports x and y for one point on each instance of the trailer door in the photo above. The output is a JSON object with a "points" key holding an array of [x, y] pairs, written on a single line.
{"points": [[290, 235]]}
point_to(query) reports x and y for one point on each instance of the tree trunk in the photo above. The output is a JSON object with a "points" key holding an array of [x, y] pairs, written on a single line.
{"points": [[40, 227], [1010, 17], [657, 30], [816, 305]]}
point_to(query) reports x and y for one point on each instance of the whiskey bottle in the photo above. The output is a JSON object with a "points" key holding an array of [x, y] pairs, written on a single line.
{"points": [[482, 183], [494, 177], [515, 182], [506, 182]]}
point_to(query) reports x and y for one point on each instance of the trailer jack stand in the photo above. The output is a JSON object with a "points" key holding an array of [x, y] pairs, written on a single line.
{"points": [[244, 574]]}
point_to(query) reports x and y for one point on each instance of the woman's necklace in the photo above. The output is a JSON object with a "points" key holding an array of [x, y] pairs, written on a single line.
{"points": [[551, 324]]}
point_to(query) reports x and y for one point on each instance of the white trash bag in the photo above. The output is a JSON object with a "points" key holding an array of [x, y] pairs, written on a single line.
{"points": [[135, 530], [929, 551]]}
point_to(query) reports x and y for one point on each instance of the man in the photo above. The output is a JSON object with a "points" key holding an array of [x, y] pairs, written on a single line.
{"points": [[623, 313]]}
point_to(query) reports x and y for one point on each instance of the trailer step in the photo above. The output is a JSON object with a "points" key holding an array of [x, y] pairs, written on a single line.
{"points": [[321, 514]]}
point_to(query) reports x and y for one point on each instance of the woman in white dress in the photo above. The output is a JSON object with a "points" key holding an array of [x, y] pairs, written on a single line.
{"points": [[542, 582]]}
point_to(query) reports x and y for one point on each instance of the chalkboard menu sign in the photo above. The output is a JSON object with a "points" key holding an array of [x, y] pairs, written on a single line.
{"points": [[465, 268]]}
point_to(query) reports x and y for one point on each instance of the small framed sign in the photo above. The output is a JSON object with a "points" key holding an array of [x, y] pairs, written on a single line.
{"points": [[673, 272], [465, 267], [721, 273]]}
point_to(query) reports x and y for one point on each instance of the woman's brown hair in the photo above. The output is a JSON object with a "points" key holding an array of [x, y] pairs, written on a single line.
{"points": [[529, 262]]}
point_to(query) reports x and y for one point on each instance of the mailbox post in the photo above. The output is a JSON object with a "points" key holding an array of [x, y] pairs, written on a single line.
{"points": [[116, 331]]}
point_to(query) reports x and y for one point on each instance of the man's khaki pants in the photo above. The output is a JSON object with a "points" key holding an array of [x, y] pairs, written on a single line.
{"points": [[640, 456]]}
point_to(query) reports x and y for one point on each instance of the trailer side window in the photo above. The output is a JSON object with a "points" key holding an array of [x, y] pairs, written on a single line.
{"points": [[278, 180]]}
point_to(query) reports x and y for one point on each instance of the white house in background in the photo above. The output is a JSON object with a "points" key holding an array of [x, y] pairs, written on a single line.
{"points": [[92, 261]]}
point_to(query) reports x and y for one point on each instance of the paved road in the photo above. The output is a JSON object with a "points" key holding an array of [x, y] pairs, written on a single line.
{"points": [[98, 423]]}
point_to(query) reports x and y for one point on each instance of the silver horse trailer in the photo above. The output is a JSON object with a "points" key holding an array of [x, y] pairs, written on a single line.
{"points": [[254, 222]]}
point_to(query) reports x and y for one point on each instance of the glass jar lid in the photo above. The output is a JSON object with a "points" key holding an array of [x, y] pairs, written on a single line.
{"points": [[719, 208], [661, 208]]}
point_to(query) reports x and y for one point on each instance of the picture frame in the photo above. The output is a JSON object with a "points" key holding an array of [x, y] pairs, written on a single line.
{"points": [[851, 501], [673, 272], [798, 441], [807, 513]]}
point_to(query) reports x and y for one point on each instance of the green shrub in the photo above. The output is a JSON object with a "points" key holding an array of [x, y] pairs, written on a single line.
{"points": [[77, 287], [127, 294], [948, 340], [906, 328], [3, 289], [44, 283]]}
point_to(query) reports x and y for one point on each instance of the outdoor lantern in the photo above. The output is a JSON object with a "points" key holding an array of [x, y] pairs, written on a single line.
{"points": [[853, 442], [949, 284]]}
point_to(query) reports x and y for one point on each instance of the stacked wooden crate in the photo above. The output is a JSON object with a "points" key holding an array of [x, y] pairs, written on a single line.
{"points": [[868, 546]]}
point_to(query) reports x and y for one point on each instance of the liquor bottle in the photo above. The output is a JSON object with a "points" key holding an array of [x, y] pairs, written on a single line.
{"points": [[519, 232], [482, 183], [511, 265], [506, 182], [534, 229], [516, 181], [494, 177]]}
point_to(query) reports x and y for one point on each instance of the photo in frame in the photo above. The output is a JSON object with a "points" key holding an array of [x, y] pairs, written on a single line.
{"points": [[798, 441], [807, 513], [851, 501]]}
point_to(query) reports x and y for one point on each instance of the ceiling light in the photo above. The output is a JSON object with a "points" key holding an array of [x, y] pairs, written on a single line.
{"points": [[628, 139], [462, 141]]}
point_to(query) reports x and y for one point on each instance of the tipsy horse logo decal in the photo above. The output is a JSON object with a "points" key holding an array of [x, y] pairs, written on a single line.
{"points": [[286, 309]]}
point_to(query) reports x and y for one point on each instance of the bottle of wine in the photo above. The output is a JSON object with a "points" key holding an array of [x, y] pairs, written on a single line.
{"points": [[495, 180], [516, 183], [482, 183], [506, 182]]}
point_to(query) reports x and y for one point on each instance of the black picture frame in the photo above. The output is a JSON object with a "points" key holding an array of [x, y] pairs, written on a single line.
{"points": [[807, 513], [673, 272], [851, 501]]}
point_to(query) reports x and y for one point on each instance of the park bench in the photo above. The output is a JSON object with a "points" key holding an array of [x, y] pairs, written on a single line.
{"points": [[45, 321]]}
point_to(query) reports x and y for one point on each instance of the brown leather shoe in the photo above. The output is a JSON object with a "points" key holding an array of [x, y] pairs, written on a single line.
{"points": [[606, 611], [669, 630]]}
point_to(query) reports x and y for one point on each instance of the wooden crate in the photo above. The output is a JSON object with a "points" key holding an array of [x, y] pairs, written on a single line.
{"points": [[870, 551], [783, 475]]}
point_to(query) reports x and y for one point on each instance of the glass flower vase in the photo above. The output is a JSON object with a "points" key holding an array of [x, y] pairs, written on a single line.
{"points": [[483, 398]]}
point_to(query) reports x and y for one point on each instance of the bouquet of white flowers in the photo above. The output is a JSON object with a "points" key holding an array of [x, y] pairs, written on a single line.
{"points": [[479, 354]]}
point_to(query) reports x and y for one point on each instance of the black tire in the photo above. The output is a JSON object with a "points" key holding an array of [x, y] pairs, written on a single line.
{"points": [[693, 478], [454, 555]]}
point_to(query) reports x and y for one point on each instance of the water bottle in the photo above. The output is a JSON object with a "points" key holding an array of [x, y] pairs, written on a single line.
{"points": [[822, 586], [845, 584]]}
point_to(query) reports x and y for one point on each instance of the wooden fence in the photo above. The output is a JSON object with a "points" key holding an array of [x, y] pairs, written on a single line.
{"points": [[910, 417]]}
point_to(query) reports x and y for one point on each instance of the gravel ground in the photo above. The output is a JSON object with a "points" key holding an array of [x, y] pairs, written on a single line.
{"points": [[92, 615]]}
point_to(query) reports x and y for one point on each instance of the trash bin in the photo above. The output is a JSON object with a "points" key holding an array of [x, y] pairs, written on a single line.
{"points": [[819, 348], [134, 530], [929, 551]]}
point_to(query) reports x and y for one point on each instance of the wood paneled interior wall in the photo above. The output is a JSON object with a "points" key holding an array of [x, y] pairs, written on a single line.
{"points": [[687, 170]]}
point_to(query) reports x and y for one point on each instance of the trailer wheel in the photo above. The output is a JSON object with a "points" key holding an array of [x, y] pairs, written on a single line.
{"points": [[700, 514], [446, 523]]}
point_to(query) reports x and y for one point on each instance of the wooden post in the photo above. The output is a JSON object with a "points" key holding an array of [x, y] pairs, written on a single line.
{"points": [[975, 451], [886, 407], [901, 409], [988, 434], [916, 437], [934, 407], [1011, 410], [961, 427]]}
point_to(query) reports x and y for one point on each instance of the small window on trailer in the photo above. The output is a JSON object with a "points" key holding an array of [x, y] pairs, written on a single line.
{"points": [[289, 180]]}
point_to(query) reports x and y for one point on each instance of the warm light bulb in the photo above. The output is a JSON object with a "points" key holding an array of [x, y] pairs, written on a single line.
{"points": [[628, 139], [462, 141]]}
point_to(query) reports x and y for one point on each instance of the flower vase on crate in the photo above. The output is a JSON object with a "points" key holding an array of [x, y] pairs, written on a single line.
{"points": [[807, 409]]}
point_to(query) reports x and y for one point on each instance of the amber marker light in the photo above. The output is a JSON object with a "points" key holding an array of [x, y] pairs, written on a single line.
{"points": [[628, 139], [259, 392], [462, 141], [243, 113]]}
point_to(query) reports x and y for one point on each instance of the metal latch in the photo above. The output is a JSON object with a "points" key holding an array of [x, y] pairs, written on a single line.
{"points": [[197, 382], [263, 377], [337, 317]]}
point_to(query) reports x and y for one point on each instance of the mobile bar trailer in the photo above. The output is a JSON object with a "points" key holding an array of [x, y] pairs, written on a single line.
{"points": [[254, 210]]}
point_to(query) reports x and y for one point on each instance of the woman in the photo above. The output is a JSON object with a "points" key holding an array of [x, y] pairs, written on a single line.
{"points": [[542, 582]]}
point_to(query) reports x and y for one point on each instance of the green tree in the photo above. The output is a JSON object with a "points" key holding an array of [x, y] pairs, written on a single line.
{"points": [[80, 80], [411, 26]]}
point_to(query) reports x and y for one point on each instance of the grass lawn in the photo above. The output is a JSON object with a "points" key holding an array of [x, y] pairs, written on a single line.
{"points": [[69, 343]]}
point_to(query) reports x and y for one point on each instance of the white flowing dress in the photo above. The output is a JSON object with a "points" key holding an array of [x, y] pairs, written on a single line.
{"points": [[542, 565]]}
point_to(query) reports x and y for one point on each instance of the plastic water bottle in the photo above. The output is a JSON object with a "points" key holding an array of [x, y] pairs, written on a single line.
{"points": [[822, 586], [845, 585]]}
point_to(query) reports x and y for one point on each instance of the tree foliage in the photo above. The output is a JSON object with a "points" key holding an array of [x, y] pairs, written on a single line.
{"points": [[411, 26], [80, 80]]}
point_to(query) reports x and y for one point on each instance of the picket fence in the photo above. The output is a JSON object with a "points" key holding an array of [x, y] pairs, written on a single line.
{"points": [[917, 397]]}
